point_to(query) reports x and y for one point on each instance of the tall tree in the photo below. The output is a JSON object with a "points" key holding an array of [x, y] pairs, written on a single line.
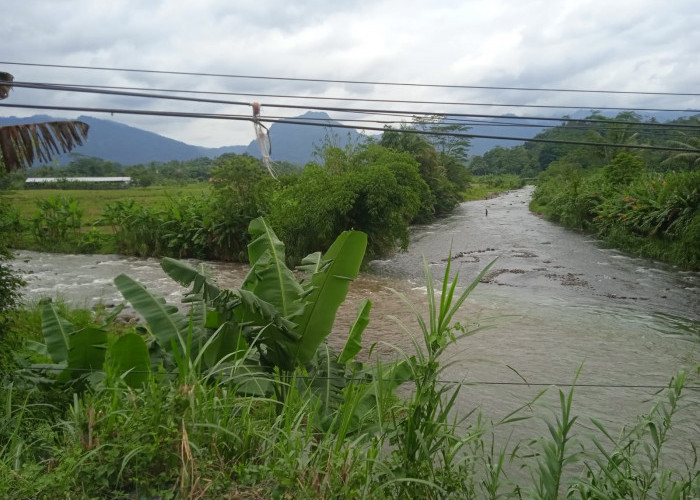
{"points": [[455, 146]]}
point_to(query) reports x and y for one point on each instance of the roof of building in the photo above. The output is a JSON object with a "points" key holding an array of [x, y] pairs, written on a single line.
{"points": [[77, 179]]}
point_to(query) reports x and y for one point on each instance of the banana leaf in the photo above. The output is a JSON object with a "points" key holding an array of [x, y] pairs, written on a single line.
{"points": [[227, 343], [186, 275], [167, 324], [311, 263], [326, 382], [86, 351], [255, 311], [56, 332], [269, 277], [354, 343], [22, 144], [130, 354], [329, 287]]}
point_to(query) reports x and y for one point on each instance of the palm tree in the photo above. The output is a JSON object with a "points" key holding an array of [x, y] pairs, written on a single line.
{"points": [[20, 145], [692, 157]]}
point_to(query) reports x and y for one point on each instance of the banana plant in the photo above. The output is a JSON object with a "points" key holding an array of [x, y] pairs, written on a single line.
{"points": [[82, 352], [287, 320], [75, 352]]}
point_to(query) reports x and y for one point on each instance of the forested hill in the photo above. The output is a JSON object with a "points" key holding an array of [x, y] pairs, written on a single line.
{"points": [[116, 142]]}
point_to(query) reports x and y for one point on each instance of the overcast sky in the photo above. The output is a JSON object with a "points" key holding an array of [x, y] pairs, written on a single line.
{"points": [[630, 45]]}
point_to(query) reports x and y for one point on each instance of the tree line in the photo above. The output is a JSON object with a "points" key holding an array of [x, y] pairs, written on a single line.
{"points": [[646, 202], [380, 186]]}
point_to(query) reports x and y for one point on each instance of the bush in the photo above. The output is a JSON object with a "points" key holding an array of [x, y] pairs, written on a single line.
{"points": [[650, 214], [57, 222], [371, 189], [10, 284]]}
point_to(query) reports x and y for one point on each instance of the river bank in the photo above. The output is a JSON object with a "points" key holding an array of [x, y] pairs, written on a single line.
{"points": [[557, 299], [554, 303]]}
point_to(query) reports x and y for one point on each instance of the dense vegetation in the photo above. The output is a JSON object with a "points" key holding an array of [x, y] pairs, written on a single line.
{"points": [[646, 202], [9, 283], [380, 188], [242, 398], [239, 396]]}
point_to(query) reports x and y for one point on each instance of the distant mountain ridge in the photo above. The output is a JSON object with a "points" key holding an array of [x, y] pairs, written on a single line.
{"points": [[114, 141]]}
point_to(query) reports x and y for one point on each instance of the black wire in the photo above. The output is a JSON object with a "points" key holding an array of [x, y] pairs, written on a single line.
{"points": [[408, 113], [90, 90], [360, 99], [177, 114], [361, 379], [471, 115], [338, 125], [353, 82], [520, 139]]}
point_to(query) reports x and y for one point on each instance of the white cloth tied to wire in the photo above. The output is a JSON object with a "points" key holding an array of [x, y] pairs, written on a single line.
{"points": [[262, 134]]}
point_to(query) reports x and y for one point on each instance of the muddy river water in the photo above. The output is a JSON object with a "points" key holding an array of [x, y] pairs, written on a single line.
{"points": [[554, 300]]}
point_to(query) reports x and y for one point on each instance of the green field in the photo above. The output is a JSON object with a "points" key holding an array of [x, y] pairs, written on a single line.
{"points": [[93, 202]]}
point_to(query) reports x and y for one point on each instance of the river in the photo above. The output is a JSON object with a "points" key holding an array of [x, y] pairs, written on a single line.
{"points": [[554, 300]]}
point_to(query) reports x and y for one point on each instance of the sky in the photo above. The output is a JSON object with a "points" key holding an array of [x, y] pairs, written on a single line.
{"points": [[621, 45]]}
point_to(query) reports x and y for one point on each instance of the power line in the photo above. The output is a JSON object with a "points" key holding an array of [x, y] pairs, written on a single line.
{"points": [[352, 82], [519, 139], [463, 383], [358, 99], [407, 113], [76, 88], [338, 125], [90, 90], [126, 91]]}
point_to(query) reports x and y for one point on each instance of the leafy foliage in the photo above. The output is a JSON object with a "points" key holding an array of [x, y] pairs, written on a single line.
{"points": [[653, 214], [632, 201], [57, 220], [10, 283], [21, 144], [331, 429], [431, 168]]}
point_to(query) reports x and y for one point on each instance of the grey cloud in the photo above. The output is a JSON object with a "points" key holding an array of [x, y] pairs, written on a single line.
{"points": [[621, 44]]}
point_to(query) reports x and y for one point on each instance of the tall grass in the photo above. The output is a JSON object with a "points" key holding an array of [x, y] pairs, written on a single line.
{"points": [[197, 435]]}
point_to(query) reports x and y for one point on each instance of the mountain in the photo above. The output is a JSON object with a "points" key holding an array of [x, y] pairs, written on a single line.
{"points": [[120, 143], [128, 145], [501, 127], [291, 142], [297, 143]]}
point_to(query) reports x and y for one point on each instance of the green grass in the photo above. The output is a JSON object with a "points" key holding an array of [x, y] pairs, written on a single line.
{"points": [[93, 202], [480, 191], [92, 238], [485, 186], [199, 437]]}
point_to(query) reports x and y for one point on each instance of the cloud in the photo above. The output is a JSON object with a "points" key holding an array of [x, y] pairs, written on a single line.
{"points": [[589, 44]]}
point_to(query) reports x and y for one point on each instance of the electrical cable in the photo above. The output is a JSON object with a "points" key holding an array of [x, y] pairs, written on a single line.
{"points": [[89, 90], [362, 379], [366, 99], [408, 113], [351, 82], [339, 125]]}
